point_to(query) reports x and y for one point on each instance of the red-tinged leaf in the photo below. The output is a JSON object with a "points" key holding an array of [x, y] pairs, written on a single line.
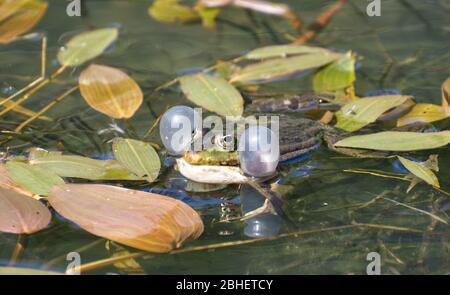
{"points": [[20, 214], [137, 219], [8, 183]]}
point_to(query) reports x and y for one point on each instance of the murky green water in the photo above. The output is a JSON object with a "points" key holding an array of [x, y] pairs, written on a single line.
{"points": [[406, 48]]}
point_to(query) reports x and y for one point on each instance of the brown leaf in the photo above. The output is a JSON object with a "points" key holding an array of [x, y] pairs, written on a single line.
{"points": [[110, 91], [18, 17], [20, 214], [137, 219], [446, 95]]}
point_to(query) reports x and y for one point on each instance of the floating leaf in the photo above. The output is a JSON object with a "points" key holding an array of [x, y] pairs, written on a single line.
{"points": [[8, 183], [420, 171], [446, 96], [33, 178], [139, 157], [355, 115], [213, 93], [338, 75], [137, 219], [21, 110], [82, 167], [283, 51], [110, 91], [423, 112], [275, 69], [20, 271], [397, 141], [20, 214], [18, 17], [170, 11], [86, 46]]}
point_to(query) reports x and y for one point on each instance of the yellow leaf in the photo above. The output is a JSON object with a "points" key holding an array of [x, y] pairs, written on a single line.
{"points": [[170, 11], [423, 112], [110, 91], [18, 17], [21, 110], [421, 171]]}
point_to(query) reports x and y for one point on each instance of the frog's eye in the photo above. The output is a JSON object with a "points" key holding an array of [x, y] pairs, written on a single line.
{"points": [[259, 151], [177, 128]]}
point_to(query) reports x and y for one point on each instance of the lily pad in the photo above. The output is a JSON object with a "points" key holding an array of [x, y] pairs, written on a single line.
{"points": [[355, 115], [139, 157], [145, 221], [213, 93], [86, 46], [397, 141], [110, 91], [20, 214], [279, 68]]}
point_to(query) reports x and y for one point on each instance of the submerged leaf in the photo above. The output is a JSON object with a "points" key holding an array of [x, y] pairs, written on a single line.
{"points": [[213, 93], [338, 75], [208, 16], [18, 17], [86, 46], [397, 141], [275, 69], [446, 96], [20, 214], [170, 11], [110, 91], [139, 157], [137, 219], [20, 271], [424, 113], [421, 171], [21, 110], [34, 179], [355, 115], [283, 51]]}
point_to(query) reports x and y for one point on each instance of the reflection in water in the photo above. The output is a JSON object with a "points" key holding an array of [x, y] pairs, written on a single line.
{"points": [[262, 225]]}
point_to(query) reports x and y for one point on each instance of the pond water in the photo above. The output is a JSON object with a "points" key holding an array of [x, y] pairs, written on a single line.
{"points": [[406, 48]]}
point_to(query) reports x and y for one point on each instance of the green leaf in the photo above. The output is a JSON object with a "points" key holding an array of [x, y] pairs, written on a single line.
{"points": [[170, 11], [421, 171], [86, 46], [213, 93], [336, 76], [275, 69], [34, 179], [283, 51], [397, 141], [139, 157], [355, 115]]}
